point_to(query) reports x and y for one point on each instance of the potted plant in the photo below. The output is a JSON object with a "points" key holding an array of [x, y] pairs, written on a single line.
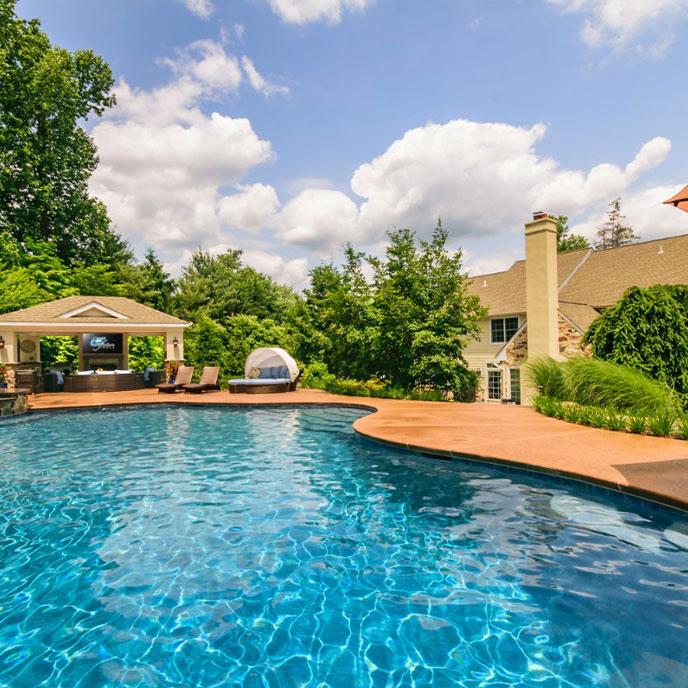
{"points": [[3, 377]]}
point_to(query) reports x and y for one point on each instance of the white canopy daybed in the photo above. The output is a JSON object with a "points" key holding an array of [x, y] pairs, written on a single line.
{"points": [[267, 370]]}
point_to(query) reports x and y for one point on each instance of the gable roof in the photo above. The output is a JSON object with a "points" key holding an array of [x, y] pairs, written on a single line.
{"points": [[590, 280], [605, 276], [85, 310], [504, 293]]}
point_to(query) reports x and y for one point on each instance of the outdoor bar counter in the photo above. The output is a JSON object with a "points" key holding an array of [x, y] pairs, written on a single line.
{"points": [[104, 382]]}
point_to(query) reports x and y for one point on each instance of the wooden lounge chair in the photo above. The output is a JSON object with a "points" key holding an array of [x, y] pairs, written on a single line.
{"points": [[183, 377], [207, 383]]}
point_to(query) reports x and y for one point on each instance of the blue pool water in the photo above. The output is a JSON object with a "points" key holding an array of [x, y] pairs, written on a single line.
{"points": [[272, 547]]}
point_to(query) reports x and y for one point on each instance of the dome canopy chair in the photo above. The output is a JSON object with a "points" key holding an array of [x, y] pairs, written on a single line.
{"points": [[267, 370]]}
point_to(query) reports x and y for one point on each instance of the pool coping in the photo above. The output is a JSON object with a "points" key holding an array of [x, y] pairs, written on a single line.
{"points": [[388, 424]]}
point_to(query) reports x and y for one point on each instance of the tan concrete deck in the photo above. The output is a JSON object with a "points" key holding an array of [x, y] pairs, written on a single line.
{"points": [[653, 467]]}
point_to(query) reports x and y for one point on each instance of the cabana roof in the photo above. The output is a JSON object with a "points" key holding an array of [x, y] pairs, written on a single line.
{"points": [[77, 311]]}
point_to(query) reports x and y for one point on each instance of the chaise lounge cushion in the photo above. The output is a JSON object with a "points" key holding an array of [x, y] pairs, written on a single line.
{"points": [[274, 373], [261, 381]]}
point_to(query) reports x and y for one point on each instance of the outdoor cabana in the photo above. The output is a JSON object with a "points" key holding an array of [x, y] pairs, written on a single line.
{"points": [[267, 370], [103, 325]]}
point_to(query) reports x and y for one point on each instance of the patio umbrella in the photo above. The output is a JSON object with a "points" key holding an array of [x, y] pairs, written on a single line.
{"points": [[680, 200]]}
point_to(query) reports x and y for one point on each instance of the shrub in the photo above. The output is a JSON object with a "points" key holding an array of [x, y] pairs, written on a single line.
{"points": [[544, 405], [572, 413], [682, 426], [614, 421], [661, 424], [637, 423], [591, 382], [597, 417], [647, 329], [547, 376], [316, 376]]}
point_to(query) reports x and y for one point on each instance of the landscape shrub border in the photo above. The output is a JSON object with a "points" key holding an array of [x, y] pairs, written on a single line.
{"points": [[317, 376], [667, 423]]}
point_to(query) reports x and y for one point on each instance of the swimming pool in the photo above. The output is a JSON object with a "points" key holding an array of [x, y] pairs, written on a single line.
{"points": [[177, 546]]}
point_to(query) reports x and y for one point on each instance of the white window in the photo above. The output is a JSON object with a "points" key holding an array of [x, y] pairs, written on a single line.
{"points": [[494, 384], [515, 384], [503, 329]]}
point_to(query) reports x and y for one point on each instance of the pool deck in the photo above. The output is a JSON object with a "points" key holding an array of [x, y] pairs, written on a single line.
{"points": [[652, 467]]}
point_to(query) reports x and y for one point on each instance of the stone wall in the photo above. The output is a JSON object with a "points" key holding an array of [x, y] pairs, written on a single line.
{"points": [[570, 343]]}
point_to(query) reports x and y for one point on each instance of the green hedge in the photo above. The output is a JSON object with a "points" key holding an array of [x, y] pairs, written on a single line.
{"points": [[662, 423], [317, 376]]}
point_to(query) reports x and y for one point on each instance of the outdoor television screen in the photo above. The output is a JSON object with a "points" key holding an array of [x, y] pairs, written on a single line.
{"points": [[102, 344]]}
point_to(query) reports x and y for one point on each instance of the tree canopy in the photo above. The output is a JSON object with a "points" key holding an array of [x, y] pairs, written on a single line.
{"points": [[567, 241], [647, 329], [46, 157]]}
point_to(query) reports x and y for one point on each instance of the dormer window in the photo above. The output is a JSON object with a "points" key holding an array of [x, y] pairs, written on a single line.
{"points": [[503, 329]]}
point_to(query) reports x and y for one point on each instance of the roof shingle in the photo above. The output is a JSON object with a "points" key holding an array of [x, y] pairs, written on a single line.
{"points": [[52, 312]]}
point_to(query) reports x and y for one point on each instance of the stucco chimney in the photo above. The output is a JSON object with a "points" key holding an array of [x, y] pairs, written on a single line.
{"points": [[542, 289]]}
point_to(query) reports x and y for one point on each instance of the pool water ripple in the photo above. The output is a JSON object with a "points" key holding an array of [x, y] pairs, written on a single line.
{"points": [[174, 546]]}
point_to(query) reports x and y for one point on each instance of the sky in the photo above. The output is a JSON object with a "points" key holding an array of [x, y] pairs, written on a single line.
{"points": [[289, 127]]}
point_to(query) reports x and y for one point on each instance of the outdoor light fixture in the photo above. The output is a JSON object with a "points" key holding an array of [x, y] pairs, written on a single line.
{"points": [[175, 342], [2, 343]]}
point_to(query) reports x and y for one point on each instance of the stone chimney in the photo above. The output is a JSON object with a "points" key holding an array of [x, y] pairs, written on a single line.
{"points": [[542, 290]]}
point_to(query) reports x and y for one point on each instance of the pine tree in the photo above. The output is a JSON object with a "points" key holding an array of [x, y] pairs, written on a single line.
{"points": [[615, 232]]}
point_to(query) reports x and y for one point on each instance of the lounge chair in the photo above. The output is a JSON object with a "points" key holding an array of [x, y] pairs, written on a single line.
{"points": [[183, 377], [207, 383], [268, 370]]}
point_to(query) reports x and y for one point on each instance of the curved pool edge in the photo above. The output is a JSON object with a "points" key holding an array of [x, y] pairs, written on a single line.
{"points": [[654, 469], [532, 469]]}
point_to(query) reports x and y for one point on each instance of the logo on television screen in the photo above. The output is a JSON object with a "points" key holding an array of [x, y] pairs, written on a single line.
{"points": [[102, 344]]}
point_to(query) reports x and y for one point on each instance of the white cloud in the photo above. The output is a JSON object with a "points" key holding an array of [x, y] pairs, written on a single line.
{"points": [[253, 208], [306, 11], [257, 81], [202, 8], [163, 161], [208, 63], [481, 178], [620, 23], [320, 219], [293, 272], [645, 212]]}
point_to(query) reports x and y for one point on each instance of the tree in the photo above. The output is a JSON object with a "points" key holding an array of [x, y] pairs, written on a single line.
{"points": [[567, 241], [425, 314], [221, 286], [343, 323], [155, 285], [615, 232], [46, 157], [647, 329]]}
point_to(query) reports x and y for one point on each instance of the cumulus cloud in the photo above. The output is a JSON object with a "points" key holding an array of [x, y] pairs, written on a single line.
{"points": [[644, 211], [619, 23], [481, 178], [201, 8], [320, 219], [293, 272], [163, 161], [258, 82], [254, 207], [306, 11]]}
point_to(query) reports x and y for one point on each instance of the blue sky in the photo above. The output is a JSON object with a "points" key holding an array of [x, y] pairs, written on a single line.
{"points": [[287, 127]]}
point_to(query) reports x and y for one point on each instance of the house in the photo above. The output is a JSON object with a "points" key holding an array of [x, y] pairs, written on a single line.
{"points": [[544, 304]]}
